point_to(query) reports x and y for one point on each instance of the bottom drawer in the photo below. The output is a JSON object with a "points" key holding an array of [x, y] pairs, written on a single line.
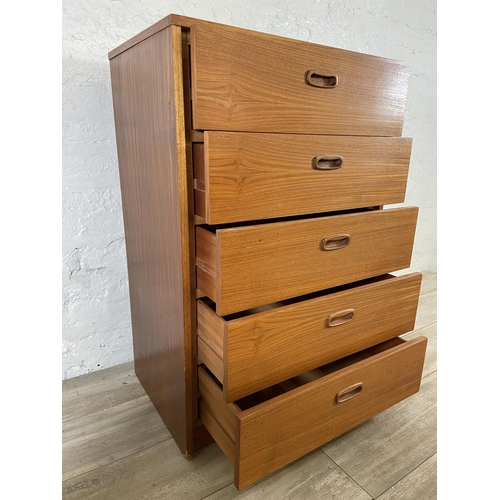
{"points": [[269, 429]]}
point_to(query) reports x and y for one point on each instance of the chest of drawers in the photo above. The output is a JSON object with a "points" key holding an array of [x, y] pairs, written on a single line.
{"points": [[254, 171]]}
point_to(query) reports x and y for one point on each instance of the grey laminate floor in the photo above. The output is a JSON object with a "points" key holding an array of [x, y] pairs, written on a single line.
{"points": [[115, 446]]}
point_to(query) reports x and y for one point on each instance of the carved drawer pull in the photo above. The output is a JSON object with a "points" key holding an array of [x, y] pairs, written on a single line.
{"points": [[340, 318], [322, 81], [335, 242], [349, 392], [328, 162]]}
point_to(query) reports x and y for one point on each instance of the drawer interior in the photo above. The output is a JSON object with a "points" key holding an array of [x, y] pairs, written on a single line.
{"points": [[295, 300], [289, 385], [253, 349], [310, 409]]}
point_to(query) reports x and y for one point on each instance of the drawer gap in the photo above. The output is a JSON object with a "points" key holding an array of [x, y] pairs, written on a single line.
{"points": [[267, 307], [305, 378], [274, 391], [214, 227], [198, 178]]}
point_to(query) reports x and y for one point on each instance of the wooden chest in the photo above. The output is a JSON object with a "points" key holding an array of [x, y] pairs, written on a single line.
{"points": [[254, 172]]}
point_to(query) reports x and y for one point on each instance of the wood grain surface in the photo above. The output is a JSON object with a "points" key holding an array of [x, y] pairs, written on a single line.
{"points": [[302, 419], [392, 454], [381, 452], [263, 349], [242, 176], [150, 132], [264, 89], [173, 86], [285, 259]]}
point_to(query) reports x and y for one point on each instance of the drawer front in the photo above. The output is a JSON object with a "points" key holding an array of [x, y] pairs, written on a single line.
{"points": [[266, 348], [257, 176], [284, 428], [244, 267], [266, 89]]}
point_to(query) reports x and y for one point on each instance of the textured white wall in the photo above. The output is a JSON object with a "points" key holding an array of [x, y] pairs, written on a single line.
{"points": [[96, 315]]}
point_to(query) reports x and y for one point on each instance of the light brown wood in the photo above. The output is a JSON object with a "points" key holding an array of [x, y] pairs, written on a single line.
{"points": [[206, 250], [242, 176], [153, 178], [264, 89], [223, 440], [226, 414], [211, 327], [186, 93], [199, 180], [307, 416], [262, 349], [143, 35], [210, 357], [206, 282], [197, 136], [285, 259], [384, 450]]}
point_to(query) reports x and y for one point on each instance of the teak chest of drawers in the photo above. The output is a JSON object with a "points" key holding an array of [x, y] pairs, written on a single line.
{"points": [[254, 170]]}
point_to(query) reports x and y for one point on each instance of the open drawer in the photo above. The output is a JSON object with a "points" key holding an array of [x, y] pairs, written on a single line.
{"points": [[252, 265], [252, 350], [269, 429], [243, 176]]}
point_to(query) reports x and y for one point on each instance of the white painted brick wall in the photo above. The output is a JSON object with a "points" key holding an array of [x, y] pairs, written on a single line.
{"points": [[96, 314]]}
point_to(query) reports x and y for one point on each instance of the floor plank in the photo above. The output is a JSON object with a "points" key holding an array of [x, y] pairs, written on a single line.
{"points": [[102, 437], [430, 331], [159, 472], [420, 484], [426, 312], [312, 477], [383, 450], [429, 282], [98, 390], [115, 445]]}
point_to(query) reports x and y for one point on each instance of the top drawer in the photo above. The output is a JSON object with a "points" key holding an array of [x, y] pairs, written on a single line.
{"points": [[247, 81]]}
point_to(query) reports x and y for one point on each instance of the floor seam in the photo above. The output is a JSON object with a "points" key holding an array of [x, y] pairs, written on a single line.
{"points": [[106, 408], [399, 480], [114, 461], [346, 473], [420, 328], [429, 374], [216, 491]]}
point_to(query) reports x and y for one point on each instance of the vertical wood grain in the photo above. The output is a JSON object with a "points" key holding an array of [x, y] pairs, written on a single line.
{"points": [[150, 133]]}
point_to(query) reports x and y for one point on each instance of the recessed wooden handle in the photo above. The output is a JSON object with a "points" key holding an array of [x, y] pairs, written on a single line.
{"points": [[349, 392], [341, 317], [335, 242], [328, 162], [320, 80]]}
